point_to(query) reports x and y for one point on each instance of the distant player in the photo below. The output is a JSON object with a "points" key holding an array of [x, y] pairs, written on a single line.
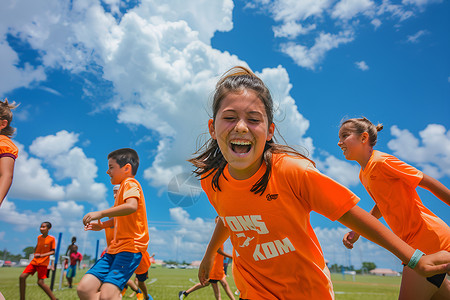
{"points": [[44, 248], [75, 260]]}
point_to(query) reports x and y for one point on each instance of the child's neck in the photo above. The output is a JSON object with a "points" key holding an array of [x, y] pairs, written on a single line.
{"points": [[365, 158], [45, 234]]}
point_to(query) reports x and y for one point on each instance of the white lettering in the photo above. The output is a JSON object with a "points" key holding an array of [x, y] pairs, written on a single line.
{"points": [[261, 226], [246, 222], [284, 246], [269, 250], [258, 255], [234, 224]]}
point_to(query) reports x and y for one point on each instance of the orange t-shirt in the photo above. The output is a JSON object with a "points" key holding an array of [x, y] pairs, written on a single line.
{"points": [[276, 252], [44, 245], [144, 265], [217, 271], [7, 147], [131, 231], [392, 185]]}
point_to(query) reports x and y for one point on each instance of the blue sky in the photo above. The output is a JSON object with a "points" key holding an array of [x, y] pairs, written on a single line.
{"points": [[94, 76]]}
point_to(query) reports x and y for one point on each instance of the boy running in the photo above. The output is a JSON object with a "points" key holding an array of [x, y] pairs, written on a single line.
{"points": [[110, 273], [44, 248]]}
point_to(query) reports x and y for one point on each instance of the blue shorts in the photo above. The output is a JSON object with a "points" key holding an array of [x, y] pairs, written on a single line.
{"points": [[116, 268], [71, 271]]}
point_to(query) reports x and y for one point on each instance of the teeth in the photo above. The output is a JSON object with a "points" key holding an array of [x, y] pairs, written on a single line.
{"points": [[241, 143]]}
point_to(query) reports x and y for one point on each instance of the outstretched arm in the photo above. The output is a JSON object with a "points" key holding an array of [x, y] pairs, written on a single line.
{"points": [[6, 176], [351, 237], [219, 236], [436, 187], [221, 252], [368, 226], [99, 225], [129, 207]]}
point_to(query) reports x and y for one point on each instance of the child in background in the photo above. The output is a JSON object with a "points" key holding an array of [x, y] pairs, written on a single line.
{"points": [[75, 259], [392, 185], [109, 275], [71, 246], [44, 248], [8, 151], [217, 275], [264, 193]]}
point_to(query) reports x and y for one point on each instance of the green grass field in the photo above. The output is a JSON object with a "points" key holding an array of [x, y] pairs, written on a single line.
{"points": [[164, 284]]}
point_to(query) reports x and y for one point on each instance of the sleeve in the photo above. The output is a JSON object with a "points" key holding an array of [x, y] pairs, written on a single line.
{"points": [[53, 244], [131, 191], [396, 168], [324, 195], [8, 149]]}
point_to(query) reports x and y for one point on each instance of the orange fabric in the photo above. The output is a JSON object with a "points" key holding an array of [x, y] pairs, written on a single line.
{"points": [[144, 265], [392, 185], [44, 245], [7, 147], [41, 270], [276, 252], [109, 235], [131, 231], [217, 272]]}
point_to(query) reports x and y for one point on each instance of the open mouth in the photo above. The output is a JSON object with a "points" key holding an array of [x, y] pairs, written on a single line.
{"points": [[241, 146]]}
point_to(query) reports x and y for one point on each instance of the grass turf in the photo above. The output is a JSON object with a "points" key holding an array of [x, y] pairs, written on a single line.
{"points": [[164, 284]]}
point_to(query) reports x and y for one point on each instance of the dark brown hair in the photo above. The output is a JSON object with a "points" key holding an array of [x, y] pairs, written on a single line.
{"points": [[209, 159], [361, 125], [126, 156]]}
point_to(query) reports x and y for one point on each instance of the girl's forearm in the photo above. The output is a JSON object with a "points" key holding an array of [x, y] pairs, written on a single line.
{"points": [[219, 237], [436, 187], [368, 226]]}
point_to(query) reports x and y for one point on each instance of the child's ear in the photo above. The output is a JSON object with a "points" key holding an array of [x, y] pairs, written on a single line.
{"points": [[212, 130], [270, 132], [364, 137], [127, 168], [3, 124]]}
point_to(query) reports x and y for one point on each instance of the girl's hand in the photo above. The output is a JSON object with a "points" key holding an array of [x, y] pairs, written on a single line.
{"points": [[204, 269], [433, 264], [349, 239]]}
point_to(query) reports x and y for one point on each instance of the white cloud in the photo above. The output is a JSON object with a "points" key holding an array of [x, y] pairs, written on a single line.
{"points": [[292, 30], [342, 171], [293, 10], [376, 23], [431, 154], [68, 161], [415, 37], [30, 173], [310, 57], [362, 65], [420, 3], [347, 9]]}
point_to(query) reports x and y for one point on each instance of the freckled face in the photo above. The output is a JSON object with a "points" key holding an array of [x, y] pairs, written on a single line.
{"points": [[241, 129], [350, 142]]}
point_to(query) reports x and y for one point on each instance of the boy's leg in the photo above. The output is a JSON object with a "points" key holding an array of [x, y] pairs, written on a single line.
{"points": [[46, 288], [444, 291], [226, 287], [88, 287], [22, 284], [122, 268], [415, 286], [216, 290]]}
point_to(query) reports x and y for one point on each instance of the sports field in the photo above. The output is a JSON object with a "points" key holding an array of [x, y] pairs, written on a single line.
{"points": [[164, 284]]}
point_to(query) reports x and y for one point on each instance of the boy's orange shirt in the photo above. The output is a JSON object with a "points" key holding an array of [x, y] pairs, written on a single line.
{"points": [[392, 184], [217, 271], [7, 147], [276, 252], [144, 265], [44, 245], [131, 231]]}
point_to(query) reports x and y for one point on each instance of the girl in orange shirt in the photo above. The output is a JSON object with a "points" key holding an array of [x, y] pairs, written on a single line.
{"points": [[392, 185], [264, 192]]}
